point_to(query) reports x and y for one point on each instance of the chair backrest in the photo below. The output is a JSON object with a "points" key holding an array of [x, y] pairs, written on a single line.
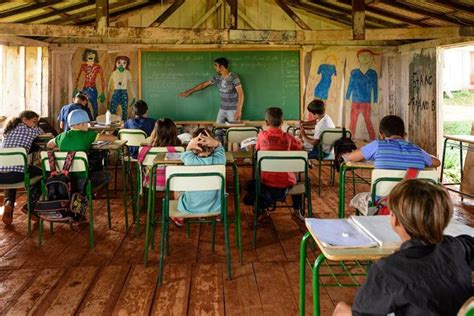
{"points": [[114, 118], [79, 164], [330, 135], [195, 178], [15, 156], [282, 161], [238, 134], [134, 137], [384, 180], [150, 156]]}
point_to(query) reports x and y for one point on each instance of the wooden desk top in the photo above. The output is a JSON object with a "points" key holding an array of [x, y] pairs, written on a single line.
{"points": [[360, 164], [117, 144], [461, 138], [160, 159], [107, 128]]}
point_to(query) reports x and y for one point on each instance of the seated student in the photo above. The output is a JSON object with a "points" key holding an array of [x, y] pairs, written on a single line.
{"points": [[323, 122], [275, 185], [21, 131], [392, 151], [430, 274], [78, 138], [140, 121], [203, 149], [80, 103]]}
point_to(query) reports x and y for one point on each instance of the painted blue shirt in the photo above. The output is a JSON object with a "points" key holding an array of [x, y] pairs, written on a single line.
{"points": [[322, 89], [65, 110], [146, 124], [361, 86], [396, 154], [201, 201]]}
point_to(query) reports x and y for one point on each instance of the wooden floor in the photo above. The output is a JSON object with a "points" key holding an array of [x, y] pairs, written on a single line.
{"points": [[64, 277]]}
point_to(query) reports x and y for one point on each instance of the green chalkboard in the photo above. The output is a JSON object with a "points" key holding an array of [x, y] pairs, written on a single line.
{"points": [[269, 78]]}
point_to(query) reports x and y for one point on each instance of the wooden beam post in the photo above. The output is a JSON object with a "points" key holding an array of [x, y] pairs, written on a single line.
{"points": [[358, 19], [168, 12], [102, 16], [233, 14], [284, 6]]}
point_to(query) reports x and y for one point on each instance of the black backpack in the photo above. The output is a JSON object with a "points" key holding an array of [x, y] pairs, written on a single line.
{"points": [[342, 146], [61, 204]]}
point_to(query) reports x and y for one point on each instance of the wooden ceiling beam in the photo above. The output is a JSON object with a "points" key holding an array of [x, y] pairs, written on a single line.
{"points": [[167, 35], [358, 19], [458, 6], [340, 19], [234, 14], [168, 12], [102, 15], [27, 8], [418, 10], [298, 21], [56, 12]]}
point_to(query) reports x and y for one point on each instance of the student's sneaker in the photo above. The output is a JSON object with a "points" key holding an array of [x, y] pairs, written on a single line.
{"points": [[179, 222], [7, 217]]}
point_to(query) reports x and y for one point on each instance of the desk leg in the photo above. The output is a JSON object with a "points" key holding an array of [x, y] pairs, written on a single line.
{"points": [[237, 209], [317, 265], [124, 188], [303, 247], [460, 160], [342, 191], [442, 161]]}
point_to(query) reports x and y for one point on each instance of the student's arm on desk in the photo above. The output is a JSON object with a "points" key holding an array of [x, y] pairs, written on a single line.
{"points": [[51, 144], [356, 155], [107, 138], [435, 162]]}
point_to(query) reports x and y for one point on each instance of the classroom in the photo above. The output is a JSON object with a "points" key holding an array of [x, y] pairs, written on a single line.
{"points": [[263, 124]]}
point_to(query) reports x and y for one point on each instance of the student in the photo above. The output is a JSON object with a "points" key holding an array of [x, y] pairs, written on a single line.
{"points": [[140, 121], [78, 138], [80, 103], [203, 149], [323, 122], [430, 274], [21, 131], [275, 185], [392, 151]]}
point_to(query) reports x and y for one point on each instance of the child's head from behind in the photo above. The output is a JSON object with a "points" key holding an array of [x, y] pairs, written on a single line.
{"points": [[81, 98], [203, 150], [140, 108], [391, 125], [29, 118], [78, 120], [422, 208], [317, 108], [166, 133], [274, 117]]}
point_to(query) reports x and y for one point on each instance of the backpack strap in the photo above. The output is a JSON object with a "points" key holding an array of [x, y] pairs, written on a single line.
{"points": [[170, 149], [68, 163], [411, 173], [52, 164], [142, 154]]}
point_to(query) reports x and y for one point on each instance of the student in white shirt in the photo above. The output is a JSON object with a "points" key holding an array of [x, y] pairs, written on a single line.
{"points": [[323, 122]]}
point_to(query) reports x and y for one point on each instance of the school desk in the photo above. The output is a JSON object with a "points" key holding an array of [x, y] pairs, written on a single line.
{"points": [[359, 256], [362, 165], [461, 142], [230, 161]]}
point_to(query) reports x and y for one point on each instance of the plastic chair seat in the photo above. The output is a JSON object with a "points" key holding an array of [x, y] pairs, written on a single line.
{"points": [[19, 185], [175, 213], [297, 189]]}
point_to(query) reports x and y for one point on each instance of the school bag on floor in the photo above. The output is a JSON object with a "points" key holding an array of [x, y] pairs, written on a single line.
{"points": [[61, 204], [342, 146]]}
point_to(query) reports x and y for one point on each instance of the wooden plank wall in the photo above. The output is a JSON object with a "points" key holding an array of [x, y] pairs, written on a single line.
{"points": [[24, 86]]}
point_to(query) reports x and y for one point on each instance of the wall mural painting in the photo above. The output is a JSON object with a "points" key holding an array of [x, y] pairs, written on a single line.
{"points": [[91, 69], [326, 72], [120, 83]]}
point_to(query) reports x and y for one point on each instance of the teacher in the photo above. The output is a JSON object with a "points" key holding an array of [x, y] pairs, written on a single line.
{"points": [[230, 90]]}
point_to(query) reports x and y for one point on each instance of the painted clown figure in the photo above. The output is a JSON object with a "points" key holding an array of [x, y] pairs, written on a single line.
{"points": [[91, 69], [121, 83]]}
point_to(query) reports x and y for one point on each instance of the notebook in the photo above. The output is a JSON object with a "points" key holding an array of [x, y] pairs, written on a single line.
{"points": [[173, 156]]}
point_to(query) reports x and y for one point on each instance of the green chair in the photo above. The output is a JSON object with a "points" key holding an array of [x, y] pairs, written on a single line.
{"points": [[17, 156], [235, 135], [149, 164], [282, 161], [193, 178], [80, 165], [327, 138]]}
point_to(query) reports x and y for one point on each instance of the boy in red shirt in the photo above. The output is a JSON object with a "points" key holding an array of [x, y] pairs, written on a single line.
{"points": [[275, 185]]}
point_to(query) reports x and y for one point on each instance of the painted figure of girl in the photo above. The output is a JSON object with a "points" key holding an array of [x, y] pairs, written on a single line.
{"points": [[121, 83], [326, 70]]}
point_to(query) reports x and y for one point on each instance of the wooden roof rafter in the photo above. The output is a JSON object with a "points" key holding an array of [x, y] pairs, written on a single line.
{"points": [[234, 13], [298, 21], [168, 12], [329, 16], [54, 12], [27, 8], [458, 6]]}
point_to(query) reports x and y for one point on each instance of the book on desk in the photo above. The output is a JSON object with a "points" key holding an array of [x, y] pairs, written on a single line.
{"points": [[173, 156], [366, 232]]}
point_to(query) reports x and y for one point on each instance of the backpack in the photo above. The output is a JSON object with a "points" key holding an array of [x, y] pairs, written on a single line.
{"points": [[61, 205], [160, 169], [342, 146]]}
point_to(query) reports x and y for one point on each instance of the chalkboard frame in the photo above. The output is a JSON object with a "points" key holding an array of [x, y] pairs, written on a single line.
{"points": [[227, 49]]}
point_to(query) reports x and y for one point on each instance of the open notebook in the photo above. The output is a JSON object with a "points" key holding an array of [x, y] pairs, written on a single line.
{"points": [[366, 231]]}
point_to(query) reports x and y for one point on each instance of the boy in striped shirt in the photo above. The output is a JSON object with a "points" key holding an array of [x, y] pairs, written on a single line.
{"points": [[392, 151]]}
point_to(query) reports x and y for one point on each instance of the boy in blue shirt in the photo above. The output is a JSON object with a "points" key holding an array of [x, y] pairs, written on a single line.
{"points": [[140, 121]]}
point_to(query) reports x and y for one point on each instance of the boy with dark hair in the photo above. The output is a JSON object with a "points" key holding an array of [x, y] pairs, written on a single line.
{"points": [[141, 121], [430, 274], [80, 103], [275, 185], [392, 151], [323, 122]]}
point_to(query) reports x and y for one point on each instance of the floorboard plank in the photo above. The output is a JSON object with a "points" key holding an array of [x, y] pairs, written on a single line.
{"points": [[207, 290], [12, 284]]}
